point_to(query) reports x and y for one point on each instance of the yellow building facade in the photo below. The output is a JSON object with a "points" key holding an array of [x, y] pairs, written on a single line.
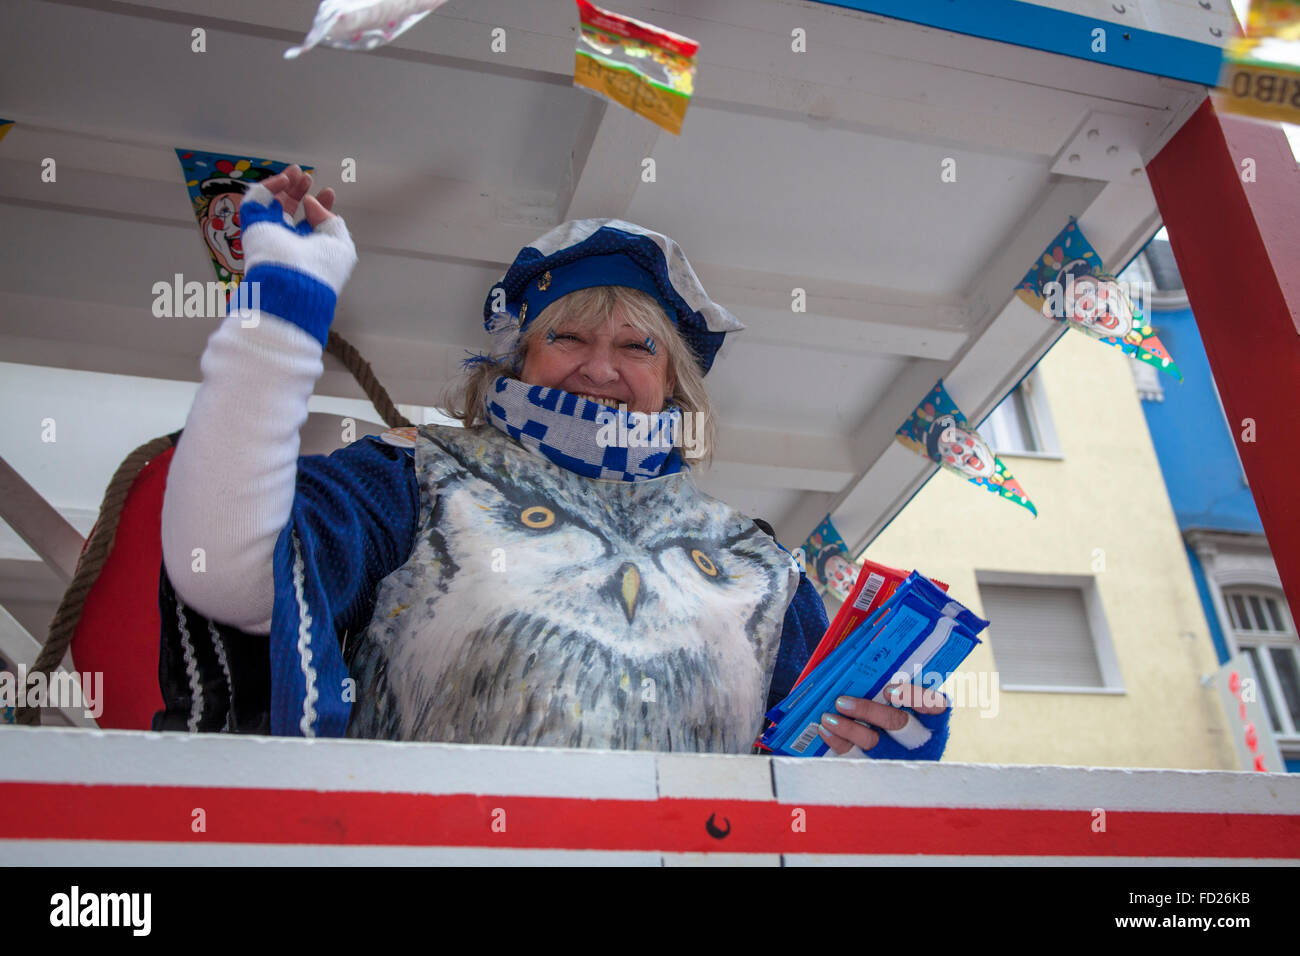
{"points": [[1105, 528]]}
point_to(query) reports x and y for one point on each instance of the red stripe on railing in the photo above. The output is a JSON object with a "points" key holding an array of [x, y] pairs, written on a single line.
{"points": [[62, 811]]}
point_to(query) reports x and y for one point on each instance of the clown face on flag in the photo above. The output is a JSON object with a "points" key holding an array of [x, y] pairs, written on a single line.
{"points": [[829, 563], [938, 430], [216, 183], [1068, 284]]}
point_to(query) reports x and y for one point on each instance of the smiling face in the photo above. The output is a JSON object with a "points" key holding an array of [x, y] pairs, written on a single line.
{"points": [[607, 360], [839, 575], [967, 452], [1101, 307], [221, 231]]}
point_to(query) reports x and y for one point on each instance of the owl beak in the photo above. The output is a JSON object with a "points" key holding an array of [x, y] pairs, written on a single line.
{"points": [[630, 588]]}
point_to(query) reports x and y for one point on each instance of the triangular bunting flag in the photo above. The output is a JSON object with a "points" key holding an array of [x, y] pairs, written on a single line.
{"points": [[215, 182], [938, 430]]}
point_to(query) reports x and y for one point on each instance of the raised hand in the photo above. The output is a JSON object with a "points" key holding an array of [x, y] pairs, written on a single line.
{"points": [[292, 186], [296, 270]]}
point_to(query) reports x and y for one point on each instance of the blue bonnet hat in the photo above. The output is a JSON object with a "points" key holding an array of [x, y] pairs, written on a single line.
{"points": [[583, 253]]}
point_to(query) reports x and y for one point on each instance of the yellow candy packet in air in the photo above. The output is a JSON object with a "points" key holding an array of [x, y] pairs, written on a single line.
{"points": [[1261, 70], [637, 65]]}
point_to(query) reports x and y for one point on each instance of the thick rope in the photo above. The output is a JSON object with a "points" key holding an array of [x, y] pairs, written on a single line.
{"points": [[343, 350], [103, 534]]}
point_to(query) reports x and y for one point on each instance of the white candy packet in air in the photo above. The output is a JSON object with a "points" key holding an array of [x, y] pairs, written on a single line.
{"points": [[362, 24]]}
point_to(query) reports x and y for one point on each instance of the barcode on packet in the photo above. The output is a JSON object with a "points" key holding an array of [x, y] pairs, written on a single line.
{"points": [[805, 738], [869, 591]]}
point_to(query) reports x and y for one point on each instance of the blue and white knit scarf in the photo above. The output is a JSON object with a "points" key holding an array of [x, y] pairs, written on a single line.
{"points": [[588, 438]]}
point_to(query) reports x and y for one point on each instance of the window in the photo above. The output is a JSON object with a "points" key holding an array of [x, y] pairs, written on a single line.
{"points": [[1153, 276], [1047, 633], [1262, 628], [1164, 268], [1022, 423], [1147, 380], [1009, 427]]}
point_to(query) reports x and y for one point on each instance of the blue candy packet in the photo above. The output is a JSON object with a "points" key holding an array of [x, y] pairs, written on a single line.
{"points": [[919, 632]]}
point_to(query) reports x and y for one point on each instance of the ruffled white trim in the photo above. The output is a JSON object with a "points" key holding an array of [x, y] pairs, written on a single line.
{"points": [[307, 722], [191, 671]]}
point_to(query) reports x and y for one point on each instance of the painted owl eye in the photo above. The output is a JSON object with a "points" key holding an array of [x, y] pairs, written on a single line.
{"points": [[703, 563], [537, 517]]}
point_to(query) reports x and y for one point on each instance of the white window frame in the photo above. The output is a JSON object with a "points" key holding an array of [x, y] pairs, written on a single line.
{"points": [[1102, 644], [1040, 423], [1289, 735], [1147, 381], [1243, 562]]}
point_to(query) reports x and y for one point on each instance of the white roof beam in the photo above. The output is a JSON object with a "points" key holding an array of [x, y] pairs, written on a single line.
{"points": [[999, 103], [977, 380], [840, 316], [606, 163]]}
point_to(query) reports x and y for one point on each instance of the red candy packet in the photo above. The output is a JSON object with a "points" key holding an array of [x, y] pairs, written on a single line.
{"points": [[873, 588]]}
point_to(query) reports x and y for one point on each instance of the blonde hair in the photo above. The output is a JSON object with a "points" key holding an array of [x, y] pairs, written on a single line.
{"points": [[584, 310]]}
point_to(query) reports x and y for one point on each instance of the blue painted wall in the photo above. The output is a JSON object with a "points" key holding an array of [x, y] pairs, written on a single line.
{"points": [[1196, 451], [1198, 457]]}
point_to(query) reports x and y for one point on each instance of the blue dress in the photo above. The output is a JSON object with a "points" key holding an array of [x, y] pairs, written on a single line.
{"points": [[460, 588]]}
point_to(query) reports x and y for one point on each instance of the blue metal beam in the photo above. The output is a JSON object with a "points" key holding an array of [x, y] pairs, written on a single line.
{"points": [[1056, 31]]}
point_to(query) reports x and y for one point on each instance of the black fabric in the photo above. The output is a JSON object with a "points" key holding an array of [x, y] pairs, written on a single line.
{"points": [[240, 704], [805, 624]]}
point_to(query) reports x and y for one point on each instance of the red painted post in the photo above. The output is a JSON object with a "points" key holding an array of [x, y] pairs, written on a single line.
{"points": [[1229, 192]]}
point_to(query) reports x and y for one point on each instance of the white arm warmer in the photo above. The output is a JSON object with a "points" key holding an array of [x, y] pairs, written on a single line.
{"points": [[231, 483]]}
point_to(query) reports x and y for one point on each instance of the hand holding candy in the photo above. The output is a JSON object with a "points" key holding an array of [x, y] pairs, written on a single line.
{"points": [[842, 732]]}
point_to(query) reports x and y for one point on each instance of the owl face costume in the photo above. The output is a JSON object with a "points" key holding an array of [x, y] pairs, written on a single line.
{"points": [[539, 607]]}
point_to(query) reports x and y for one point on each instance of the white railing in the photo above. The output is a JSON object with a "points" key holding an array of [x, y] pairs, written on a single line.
{"points": [[70, 796]]}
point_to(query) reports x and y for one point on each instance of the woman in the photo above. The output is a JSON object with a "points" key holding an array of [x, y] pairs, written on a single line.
{"points": [[548, 575]]}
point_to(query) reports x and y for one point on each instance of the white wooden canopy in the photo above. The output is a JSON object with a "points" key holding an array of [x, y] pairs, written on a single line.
{"points": [[817, 170]]}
